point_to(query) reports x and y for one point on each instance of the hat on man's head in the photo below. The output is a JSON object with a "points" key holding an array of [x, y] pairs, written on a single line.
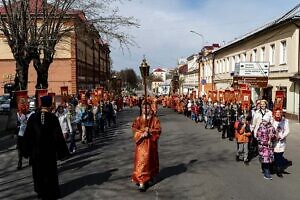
{"points": [[46, 101]]}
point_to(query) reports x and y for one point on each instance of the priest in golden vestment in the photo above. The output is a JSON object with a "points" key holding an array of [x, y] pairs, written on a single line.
{"points": [[146, 134]]}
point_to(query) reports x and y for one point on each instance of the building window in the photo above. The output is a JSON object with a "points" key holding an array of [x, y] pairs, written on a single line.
{"points": [[224, 66], [243, 57], [262, 54], [237, 59], [283, 52], [232, 64], [254, 55], [272, 54], [227, 65]]}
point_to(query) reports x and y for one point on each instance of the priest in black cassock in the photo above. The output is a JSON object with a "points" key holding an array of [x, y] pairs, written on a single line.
{"points": [[44, 145]]}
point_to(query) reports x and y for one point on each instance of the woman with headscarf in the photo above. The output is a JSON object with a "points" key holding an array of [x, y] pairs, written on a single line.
{"points": [[146, 129], [259, 114], [281, 126], [266, 136]]}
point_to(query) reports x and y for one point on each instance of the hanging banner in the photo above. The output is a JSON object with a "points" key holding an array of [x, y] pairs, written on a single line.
{"points": [[100, 92], [214, 96], [40, 93], [243, 86], [278, 103], [22, 100], [237, 98], [64, 94], [52, 94], [194, 94], [231, 96], [246, 98], [209, 95], [82, 96], [94, 97], [221, 96], [227, 96], [105, 96]]}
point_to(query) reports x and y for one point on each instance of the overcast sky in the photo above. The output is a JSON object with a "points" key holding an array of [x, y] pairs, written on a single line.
{"points": [[164, 35]]}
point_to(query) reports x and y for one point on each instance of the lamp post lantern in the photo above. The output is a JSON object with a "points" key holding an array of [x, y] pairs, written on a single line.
{"points": [[145, 68]]}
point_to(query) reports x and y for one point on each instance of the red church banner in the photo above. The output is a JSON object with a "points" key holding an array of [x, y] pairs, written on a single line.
{"points": [[64, 94], [278, 103], [22, 100], [82, 96], [100, 92], [227, 96], [245, 97], [221, 96], [237, 97]]}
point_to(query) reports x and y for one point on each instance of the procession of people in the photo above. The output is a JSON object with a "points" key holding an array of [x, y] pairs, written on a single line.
{"points": [[257, 130], [46, 132]]}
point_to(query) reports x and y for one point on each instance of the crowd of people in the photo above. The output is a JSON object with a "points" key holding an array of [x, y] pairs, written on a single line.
{"points": [[257, 131], [50, 133], [46, 132]]}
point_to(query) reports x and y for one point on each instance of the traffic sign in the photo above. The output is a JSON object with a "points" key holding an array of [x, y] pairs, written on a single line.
{"points": [[252, 69]]}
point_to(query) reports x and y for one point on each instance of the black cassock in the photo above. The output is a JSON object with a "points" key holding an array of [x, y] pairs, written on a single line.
{"points": [[44, 145]]}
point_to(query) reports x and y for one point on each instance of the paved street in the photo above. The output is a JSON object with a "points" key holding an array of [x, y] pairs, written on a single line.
{"points": [[195, 163]]}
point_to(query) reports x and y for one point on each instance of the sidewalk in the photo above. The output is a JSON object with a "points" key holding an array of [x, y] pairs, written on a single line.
{"points": [[6, 139]]}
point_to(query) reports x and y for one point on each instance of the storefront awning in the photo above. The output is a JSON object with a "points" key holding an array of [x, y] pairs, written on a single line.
{"points": [[295, 78]]}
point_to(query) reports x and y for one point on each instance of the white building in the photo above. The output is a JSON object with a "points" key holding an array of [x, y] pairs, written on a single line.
{"points": [[191, 76]]}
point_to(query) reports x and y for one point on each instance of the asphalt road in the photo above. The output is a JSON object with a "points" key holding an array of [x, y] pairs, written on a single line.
{"points": [[195, 163]]}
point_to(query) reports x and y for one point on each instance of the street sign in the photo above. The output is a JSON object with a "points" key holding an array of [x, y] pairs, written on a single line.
{"points": [[252, 69], [258, 82], [203, 81]]}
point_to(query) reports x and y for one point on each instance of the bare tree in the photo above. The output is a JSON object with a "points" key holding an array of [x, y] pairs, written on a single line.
{"points": [[15, 27], [33, 28]]}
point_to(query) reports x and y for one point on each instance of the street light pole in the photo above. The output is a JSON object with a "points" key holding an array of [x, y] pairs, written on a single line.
{"points": [[199, 61], [199, 34], [144, 68]]}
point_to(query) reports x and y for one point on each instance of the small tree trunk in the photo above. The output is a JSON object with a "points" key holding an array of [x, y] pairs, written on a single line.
{"points": [[42, 70], [21, 80]]}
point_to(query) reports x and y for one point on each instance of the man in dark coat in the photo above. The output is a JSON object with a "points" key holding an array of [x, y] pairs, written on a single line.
{"points": [[44, 145]]}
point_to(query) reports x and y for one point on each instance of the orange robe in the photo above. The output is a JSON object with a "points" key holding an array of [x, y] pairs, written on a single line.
{"points": [[154, 106], [146, 162]]}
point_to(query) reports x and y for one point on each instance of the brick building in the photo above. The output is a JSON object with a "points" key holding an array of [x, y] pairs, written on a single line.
{"points": [[81, 61]]}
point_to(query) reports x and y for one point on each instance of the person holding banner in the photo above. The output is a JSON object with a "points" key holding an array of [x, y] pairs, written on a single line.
{"points": [[146, 129]]}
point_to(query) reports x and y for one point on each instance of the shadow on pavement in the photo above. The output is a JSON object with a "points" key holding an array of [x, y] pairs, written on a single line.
{"points": [[88, 180], [173, 170]]}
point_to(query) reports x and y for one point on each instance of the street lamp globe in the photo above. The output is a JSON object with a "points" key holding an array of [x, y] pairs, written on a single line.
{"points": [[144, 68]]}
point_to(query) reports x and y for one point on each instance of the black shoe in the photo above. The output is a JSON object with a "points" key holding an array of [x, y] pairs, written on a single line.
{"points": [[19, 166], [237, 158], [246, 162], [151, 182], [279, 174]]}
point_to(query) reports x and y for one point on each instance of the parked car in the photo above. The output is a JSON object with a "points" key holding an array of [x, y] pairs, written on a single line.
{"points": [[4, 104]]}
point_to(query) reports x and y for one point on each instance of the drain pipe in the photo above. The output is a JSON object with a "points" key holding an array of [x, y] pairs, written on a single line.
{"points": [[298, 81]]}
